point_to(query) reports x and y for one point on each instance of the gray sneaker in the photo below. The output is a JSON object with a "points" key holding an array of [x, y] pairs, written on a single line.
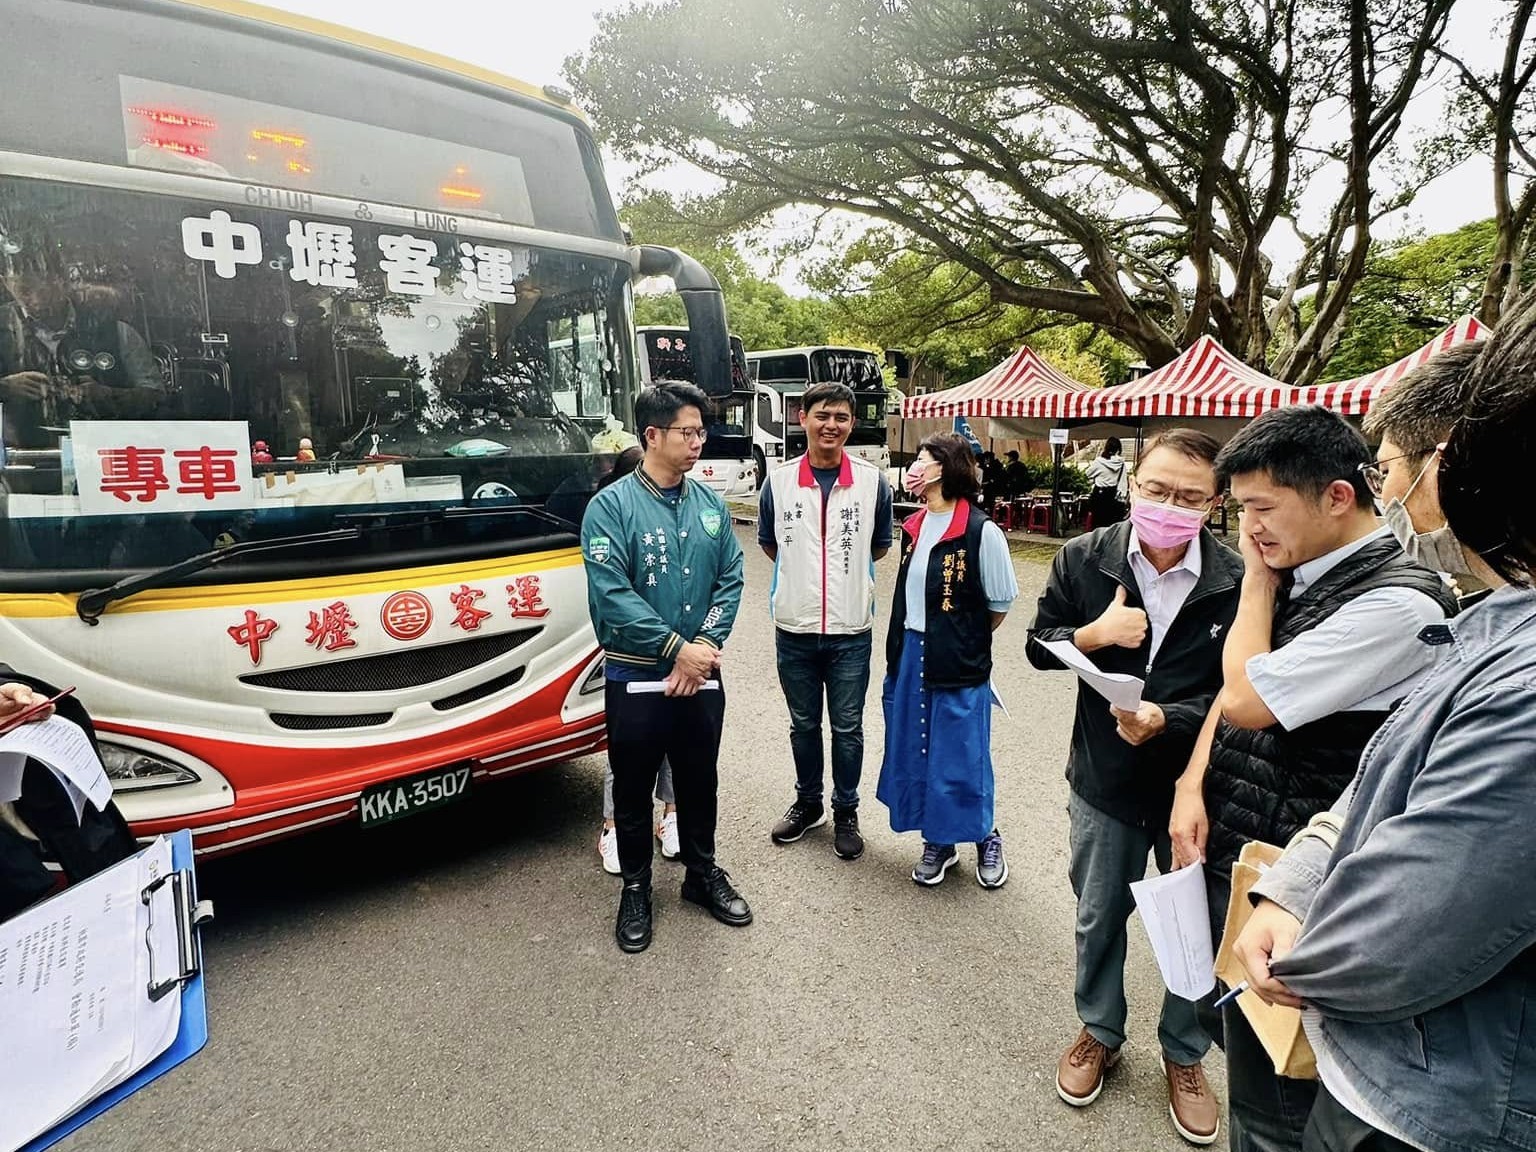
{"points": [[937, 860], [991, 864]]}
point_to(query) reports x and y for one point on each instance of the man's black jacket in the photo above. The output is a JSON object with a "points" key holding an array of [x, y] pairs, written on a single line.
{"points": [[97, 841], [1135, 784]]}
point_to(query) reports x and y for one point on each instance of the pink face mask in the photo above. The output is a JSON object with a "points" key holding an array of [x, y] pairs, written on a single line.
{"points": [[917, 478], [1165, 525]]}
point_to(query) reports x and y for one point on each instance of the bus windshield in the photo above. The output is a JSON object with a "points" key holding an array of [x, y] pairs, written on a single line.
{"points": [[175, 376]]}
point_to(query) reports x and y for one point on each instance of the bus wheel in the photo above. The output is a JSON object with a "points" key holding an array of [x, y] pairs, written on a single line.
{"points": [[762, 467]]}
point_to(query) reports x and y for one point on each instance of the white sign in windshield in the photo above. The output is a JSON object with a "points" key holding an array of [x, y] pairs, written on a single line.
{"points": [[125, 467]]}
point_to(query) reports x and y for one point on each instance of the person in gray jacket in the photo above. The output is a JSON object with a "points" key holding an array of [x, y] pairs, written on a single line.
{"points": [[1403, 922]]}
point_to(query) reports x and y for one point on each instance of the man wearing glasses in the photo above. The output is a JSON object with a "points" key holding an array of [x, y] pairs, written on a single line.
{"points": [[664, 579], [1331, 632], [1152, 598]]}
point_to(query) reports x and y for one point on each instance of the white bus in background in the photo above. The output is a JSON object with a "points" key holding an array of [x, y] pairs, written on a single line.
{"points": [[725, 462], [782, 375]]}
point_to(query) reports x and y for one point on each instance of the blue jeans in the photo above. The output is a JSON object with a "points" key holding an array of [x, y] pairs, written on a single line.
{"points": [[835, 666]]}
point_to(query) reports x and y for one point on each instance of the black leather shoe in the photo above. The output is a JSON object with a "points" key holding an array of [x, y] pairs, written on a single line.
{"points": [[714, 892], [633, 930]]}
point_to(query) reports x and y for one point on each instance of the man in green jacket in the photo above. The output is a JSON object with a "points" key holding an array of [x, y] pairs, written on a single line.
{"points": [[664, 580]]}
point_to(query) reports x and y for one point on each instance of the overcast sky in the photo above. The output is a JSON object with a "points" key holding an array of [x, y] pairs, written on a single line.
{"points": [[532, 40]]}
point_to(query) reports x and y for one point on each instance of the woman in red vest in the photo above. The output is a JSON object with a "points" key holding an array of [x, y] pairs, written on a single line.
{"points": [[955, 586]]}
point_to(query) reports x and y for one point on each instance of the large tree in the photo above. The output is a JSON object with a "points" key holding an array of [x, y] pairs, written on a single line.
{"points": [[1127, 163], [1495, 109]]}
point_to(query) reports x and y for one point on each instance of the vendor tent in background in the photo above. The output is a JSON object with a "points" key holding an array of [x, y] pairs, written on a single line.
{"points": [[1016, 388], [1353, 397]]}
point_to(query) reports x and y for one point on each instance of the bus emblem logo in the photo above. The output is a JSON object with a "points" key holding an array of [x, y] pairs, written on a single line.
{"points": [[406, 615]]}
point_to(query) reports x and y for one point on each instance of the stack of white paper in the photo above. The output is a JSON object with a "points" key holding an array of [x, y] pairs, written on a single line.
{"points": [[1173, 910]]}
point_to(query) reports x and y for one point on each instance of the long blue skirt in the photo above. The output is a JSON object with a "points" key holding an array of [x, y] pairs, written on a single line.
{"points": [[937, 774]]}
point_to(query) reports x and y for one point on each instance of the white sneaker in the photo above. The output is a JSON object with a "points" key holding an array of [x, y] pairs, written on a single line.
{"points": [[666, 832], [608, 849]]}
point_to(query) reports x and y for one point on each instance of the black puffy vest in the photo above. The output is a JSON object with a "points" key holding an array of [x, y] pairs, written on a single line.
{"points": [[1265, 784], [957, 652]]}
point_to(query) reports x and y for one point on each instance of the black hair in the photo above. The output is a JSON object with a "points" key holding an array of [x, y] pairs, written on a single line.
{"points": [[1304, 447], [1112, 446], [957, 466], [1417, 412], [1013, 453], [828, 392], [1484, 480], [658, 406], [625, 463], [1201, 446]]}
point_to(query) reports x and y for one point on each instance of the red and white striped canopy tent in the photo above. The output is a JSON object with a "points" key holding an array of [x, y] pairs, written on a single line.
{"points": [[1016, 387], [1205, 384], [1353, 397]]}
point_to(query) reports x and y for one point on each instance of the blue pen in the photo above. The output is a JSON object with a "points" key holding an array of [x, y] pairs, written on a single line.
{"points": [[1233, 994]]}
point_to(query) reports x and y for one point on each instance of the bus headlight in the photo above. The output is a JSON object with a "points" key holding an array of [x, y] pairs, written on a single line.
{"points": [[594, 680], [133, 769]]}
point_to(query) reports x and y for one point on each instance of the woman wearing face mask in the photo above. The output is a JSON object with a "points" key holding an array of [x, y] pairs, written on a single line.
{"points": [[955, 585], [1412, 421], [1403, 923]]}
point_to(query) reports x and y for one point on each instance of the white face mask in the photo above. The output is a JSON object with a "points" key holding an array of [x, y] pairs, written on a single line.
{"points": [[1439, 549]]}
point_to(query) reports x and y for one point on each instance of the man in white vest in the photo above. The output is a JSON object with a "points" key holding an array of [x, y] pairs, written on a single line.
{"points": [[824, 519]]}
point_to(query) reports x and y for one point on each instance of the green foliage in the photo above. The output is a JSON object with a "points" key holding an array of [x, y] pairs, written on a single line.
{"points": [[1122, 164], [1411, 291], [763, 314]]}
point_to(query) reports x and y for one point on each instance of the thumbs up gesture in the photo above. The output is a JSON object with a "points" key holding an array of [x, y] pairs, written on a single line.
{"points": [[1120, 626]]}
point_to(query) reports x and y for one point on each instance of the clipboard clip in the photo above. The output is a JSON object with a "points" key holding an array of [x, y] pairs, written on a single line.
{"points": [[190, 913]]}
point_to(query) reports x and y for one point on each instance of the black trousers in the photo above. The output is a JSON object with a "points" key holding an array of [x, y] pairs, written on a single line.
{"points": [[644, 727], [82, 848], [1333, 1128], [1266, 1112]]}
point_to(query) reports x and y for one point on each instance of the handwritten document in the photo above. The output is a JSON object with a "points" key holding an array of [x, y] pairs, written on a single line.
{"points": [[1123, 691], [65, 748], [1173, 911], [74, 980]]}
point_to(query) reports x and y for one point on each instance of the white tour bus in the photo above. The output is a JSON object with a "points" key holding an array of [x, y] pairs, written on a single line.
{"points": [[725, 463], [782, 375]]}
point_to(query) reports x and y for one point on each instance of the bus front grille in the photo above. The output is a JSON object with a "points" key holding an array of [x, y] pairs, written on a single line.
{"points": [[298, 723], [393, 671]]}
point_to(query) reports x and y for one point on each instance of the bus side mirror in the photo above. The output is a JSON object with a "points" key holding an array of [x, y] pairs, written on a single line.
{"points": [[709, 341]]}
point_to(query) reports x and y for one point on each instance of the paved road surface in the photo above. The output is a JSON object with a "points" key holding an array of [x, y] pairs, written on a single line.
{"points": [[451, 982]]}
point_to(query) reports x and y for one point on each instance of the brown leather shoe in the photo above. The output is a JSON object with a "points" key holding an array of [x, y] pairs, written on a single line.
{"points": [[1191, 1105], [1080, 1074]]}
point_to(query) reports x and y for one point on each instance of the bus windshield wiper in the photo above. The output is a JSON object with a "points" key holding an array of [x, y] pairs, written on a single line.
{"points": [[515, 510], [93, 602]]}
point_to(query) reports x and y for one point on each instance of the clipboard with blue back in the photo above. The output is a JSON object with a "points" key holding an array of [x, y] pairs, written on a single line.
{"points": [[192, 1032]]}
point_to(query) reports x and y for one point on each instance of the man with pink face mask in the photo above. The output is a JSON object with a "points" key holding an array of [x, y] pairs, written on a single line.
{"points": [[1152, 597]]}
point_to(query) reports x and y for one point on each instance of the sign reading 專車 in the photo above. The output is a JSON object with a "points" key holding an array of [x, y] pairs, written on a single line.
{"points": [[139, 466]]}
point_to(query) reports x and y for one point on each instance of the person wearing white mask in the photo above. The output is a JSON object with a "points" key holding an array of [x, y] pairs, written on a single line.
{"points": [[1325, 643], [1411, 420], [1152, 598], [955, 585]]}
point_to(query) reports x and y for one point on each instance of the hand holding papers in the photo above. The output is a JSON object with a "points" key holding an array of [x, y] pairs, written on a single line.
{"points": [[1173, 910], [65, 748], [1122, 691]]}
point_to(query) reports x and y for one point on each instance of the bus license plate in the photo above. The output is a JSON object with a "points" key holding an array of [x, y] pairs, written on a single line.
{"points": [[383, 803]]}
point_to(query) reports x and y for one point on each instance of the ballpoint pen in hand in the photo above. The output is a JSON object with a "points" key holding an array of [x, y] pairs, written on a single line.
{"points": [[1232, 994]]}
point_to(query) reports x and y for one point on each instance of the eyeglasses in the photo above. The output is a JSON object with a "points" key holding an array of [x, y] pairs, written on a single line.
{"points": [[1155, 492], [1376, 478], [692, 435]]}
